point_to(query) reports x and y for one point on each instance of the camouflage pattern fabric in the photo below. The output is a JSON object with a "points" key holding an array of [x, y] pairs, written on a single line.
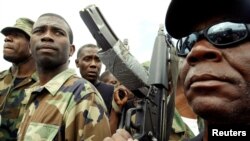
{"points": [[66, 108], [12, 110], [180, 131]]}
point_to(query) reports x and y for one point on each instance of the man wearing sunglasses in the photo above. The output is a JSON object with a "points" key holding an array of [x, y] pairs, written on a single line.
{"points": [[214, 40]]}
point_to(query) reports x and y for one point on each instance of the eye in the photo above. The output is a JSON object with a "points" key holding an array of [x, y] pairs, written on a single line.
{"points": [[37, 30], [59, 33], [87, 58], [114, 82], [97, 59]]}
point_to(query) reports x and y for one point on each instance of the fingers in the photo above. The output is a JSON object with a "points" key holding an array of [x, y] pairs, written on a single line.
{"points": [[120, 135], [120, 102], [108, 139], [125, 134], [125, 99]]}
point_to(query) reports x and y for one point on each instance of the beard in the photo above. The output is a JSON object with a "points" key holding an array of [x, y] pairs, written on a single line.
{"points": [[48, 64], [235, 112], [16, 60]]}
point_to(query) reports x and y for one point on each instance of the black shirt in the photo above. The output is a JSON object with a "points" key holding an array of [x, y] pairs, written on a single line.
{"points": [[106, 92]]}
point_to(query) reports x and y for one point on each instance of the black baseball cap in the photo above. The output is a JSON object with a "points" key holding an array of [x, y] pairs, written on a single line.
{"points": [[183, 15]]}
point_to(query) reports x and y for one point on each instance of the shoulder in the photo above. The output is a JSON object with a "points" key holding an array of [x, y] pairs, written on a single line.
{"points": [[79, 86], [104, 88], [83, 91], [85, 98], [4, 73]]}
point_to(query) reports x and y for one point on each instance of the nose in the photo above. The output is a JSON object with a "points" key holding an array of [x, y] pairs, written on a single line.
{"points": [[7, 39], [47, 37], [93, 63], [203, 51]]}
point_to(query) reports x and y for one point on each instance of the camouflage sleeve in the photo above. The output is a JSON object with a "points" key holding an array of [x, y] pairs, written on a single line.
{"points": [[87, 120]]}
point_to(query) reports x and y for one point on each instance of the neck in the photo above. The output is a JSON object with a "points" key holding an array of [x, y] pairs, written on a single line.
{"points": [[46, 75], [24, 69], [95, 82]]}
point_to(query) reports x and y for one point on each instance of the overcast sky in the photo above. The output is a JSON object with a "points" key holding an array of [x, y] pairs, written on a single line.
{"points": [[136, 20]]}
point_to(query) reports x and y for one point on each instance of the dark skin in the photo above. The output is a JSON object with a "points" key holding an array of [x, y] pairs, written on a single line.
{"points": [[219, 96], [181, 103], [114, 117], [89, 64], [16, 49], [215, 82], [51, 46]]}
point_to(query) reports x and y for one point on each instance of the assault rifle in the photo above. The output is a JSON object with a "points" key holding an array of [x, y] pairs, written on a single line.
{"points": [[151, 122], [153, 119]]}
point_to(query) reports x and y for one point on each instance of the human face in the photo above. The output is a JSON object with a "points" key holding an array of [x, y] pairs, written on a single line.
{"points": [[16, 47], [110, 79], [89, 64], [216, 80], [50, 43]]}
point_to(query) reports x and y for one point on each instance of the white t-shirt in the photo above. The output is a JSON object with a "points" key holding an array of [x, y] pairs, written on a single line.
{"points": [[192, 124]]}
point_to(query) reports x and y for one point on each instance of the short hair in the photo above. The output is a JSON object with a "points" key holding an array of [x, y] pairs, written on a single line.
{"points": [[104, 74], [85, 46], [60, 17]]}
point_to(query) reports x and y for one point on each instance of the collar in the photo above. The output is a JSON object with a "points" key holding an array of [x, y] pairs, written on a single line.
{"points": [[178, 124], [56, 82]]}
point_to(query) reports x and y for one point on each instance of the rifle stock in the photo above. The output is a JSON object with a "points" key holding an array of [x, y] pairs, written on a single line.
{"points": [[98, 26], [114, 53]]}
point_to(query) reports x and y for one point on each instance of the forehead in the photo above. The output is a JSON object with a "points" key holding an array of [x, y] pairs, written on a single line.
{"points": [[52, 21], [111, 77], [209, 22], [89, 51]]}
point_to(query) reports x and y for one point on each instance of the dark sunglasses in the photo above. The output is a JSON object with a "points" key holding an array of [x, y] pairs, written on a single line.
{"points": [[221, 35]]}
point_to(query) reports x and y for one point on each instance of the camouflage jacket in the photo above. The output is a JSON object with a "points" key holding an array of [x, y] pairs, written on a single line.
{"points": [[180, 131], [65, 108], [12, 110]]}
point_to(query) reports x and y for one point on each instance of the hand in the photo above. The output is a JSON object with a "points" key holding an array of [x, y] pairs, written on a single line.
{"points": [[120, 101], [120, 135]]}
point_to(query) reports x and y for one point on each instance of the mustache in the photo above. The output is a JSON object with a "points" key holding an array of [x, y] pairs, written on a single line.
{"points": [[8, 45], [205, 77], [46, 46]]}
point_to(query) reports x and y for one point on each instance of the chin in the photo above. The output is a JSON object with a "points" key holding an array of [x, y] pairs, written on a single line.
{"points": [[221, 112]]}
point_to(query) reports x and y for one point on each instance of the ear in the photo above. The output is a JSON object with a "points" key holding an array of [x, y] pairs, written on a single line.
{"points": [[72, 50], [77, 63]]}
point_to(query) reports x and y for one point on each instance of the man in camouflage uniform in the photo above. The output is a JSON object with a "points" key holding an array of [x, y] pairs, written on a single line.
{"points": [[13, 81], [61, 106], [90, 65]]}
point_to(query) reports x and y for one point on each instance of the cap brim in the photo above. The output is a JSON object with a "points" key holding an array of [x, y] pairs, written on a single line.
{"points": [[183, 15], [5, 31]]}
